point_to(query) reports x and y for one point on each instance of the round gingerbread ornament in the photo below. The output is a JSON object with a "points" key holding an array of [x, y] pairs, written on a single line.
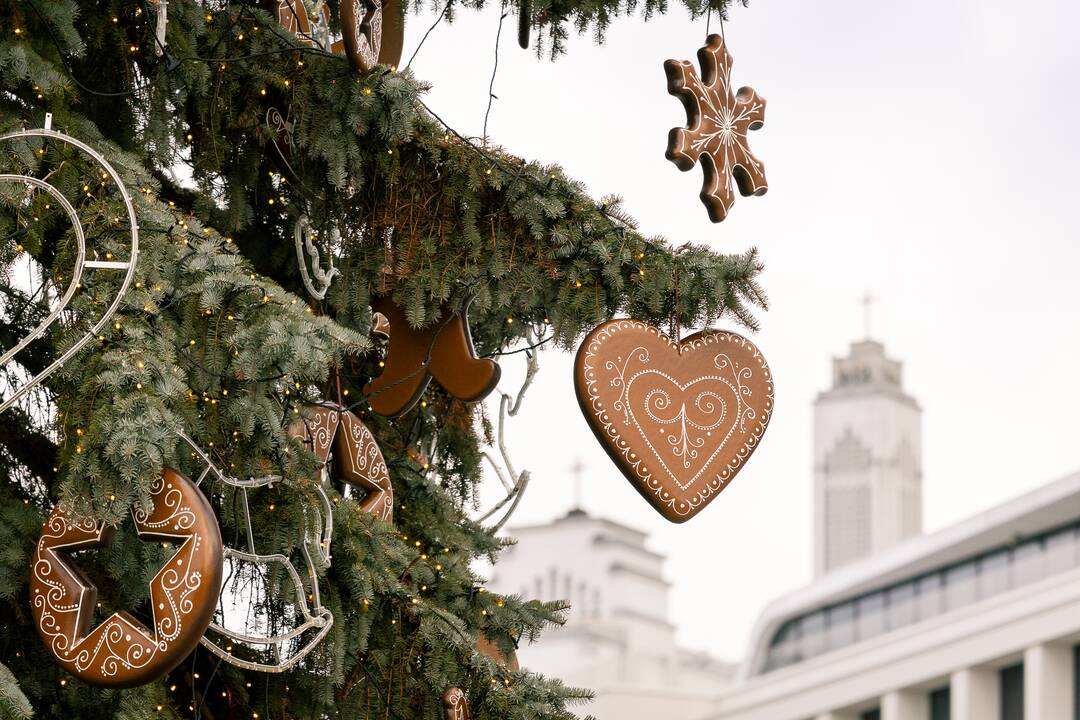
{"points": [[373, 31], [122, 651], [678, 419]]}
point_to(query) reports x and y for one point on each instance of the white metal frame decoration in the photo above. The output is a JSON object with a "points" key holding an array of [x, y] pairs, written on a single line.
{"points": [[305, 249], [318, 533], [513, 482], [81, 262]]}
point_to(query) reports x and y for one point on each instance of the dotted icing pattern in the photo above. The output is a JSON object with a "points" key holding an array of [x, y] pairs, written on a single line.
{"points": [[717, 124], [121, 651], [680, 421], [333, 431]]}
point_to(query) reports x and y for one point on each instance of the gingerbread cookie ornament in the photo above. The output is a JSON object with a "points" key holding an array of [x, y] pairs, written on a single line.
{"points": [[373, 31], [121, 651], [443, 351], [357, 459], [678, 419], [455, 705], [717, 123], [484, 646]]}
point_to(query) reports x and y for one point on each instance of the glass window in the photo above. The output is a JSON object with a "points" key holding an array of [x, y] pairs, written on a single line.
{"points": [[784, 649], [901, 610], [1012, 692], [841, 630], [940, 701], [812, 640], [930, 598], [874, 714], [960, 586], [994, 574], [1027, 563], [871, 611], [1061, 551]]}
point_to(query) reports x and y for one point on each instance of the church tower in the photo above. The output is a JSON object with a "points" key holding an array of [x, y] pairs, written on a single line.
{"points": [[867, 460]]}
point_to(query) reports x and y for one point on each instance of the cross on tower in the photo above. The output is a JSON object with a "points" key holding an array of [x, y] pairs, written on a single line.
{"points": [[867, 301], [577, 471]]}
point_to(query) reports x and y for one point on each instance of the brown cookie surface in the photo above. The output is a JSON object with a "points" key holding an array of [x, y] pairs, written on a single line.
{"points": [[455, 706], [717, 123], [357, 459], [443, 351], [121, 651], [484, 646], [373, 32], [679, 420]]}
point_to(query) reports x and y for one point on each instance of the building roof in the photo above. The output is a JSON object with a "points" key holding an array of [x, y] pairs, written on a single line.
{"points": [[1042, 509], [608, 532]]}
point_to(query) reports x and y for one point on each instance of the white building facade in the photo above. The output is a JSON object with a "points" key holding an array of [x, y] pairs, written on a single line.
{"points": [[867, 460], [979, 621], [618, 640]]}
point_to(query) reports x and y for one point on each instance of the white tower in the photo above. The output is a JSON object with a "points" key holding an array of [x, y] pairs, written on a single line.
{"points": [[867, 460], [618, 640]]}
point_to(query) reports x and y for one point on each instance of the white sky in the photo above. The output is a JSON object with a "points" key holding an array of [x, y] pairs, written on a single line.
{"points": [[924, 151]]}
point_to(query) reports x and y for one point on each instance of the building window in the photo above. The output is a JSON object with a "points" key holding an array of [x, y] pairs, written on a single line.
{"points": [[921, 598], [940, 701], [1012, 692], [871, 616], [812, 642], [901, 610], [960, 586], [874, 714], [994, 574], [841, 632], [931, 599], [1028, 562], [1061, 551], [785, 647]]}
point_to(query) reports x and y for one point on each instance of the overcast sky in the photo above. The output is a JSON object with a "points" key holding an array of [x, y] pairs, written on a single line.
{"points": [[923, 151]]}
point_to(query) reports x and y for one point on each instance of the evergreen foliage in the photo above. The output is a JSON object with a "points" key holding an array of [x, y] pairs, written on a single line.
{"points": [[13, 704], [218, 337]]}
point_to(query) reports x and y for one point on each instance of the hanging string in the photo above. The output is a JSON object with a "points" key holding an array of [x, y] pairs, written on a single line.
{"points": [[674, 330], [494, 70], [708, 22], [438, 20]]}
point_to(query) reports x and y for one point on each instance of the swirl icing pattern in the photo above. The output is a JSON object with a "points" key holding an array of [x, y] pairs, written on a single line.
{"points": [[455, 705], [331, 430], [122, 651], [679, 420]]}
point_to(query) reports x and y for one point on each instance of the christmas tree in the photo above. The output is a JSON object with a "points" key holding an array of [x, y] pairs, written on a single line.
{"points": [[226, 129]]}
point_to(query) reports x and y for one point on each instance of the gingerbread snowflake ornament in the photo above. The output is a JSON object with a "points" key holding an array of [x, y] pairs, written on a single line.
{"points": [[717, 123]]}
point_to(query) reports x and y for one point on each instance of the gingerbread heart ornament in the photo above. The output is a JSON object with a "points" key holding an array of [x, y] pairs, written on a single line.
{"points": [[679, 419]]}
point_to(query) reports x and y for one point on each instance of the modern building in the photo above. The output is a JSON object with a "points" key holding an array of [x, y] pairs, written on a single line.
{"points": [[867, 460], [618, 641], [978, 621]]}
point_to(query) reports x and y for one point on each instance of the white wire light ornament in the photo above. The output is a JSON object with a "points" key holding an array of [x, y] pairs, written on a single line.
{"points": [[82, 263], [310, 623], [513, 482], [306, 250]]}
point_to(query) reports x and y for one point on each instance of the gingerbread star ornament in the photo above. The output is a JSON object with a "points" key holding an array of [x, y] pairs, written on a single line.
{"points": [[717, 123]]}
